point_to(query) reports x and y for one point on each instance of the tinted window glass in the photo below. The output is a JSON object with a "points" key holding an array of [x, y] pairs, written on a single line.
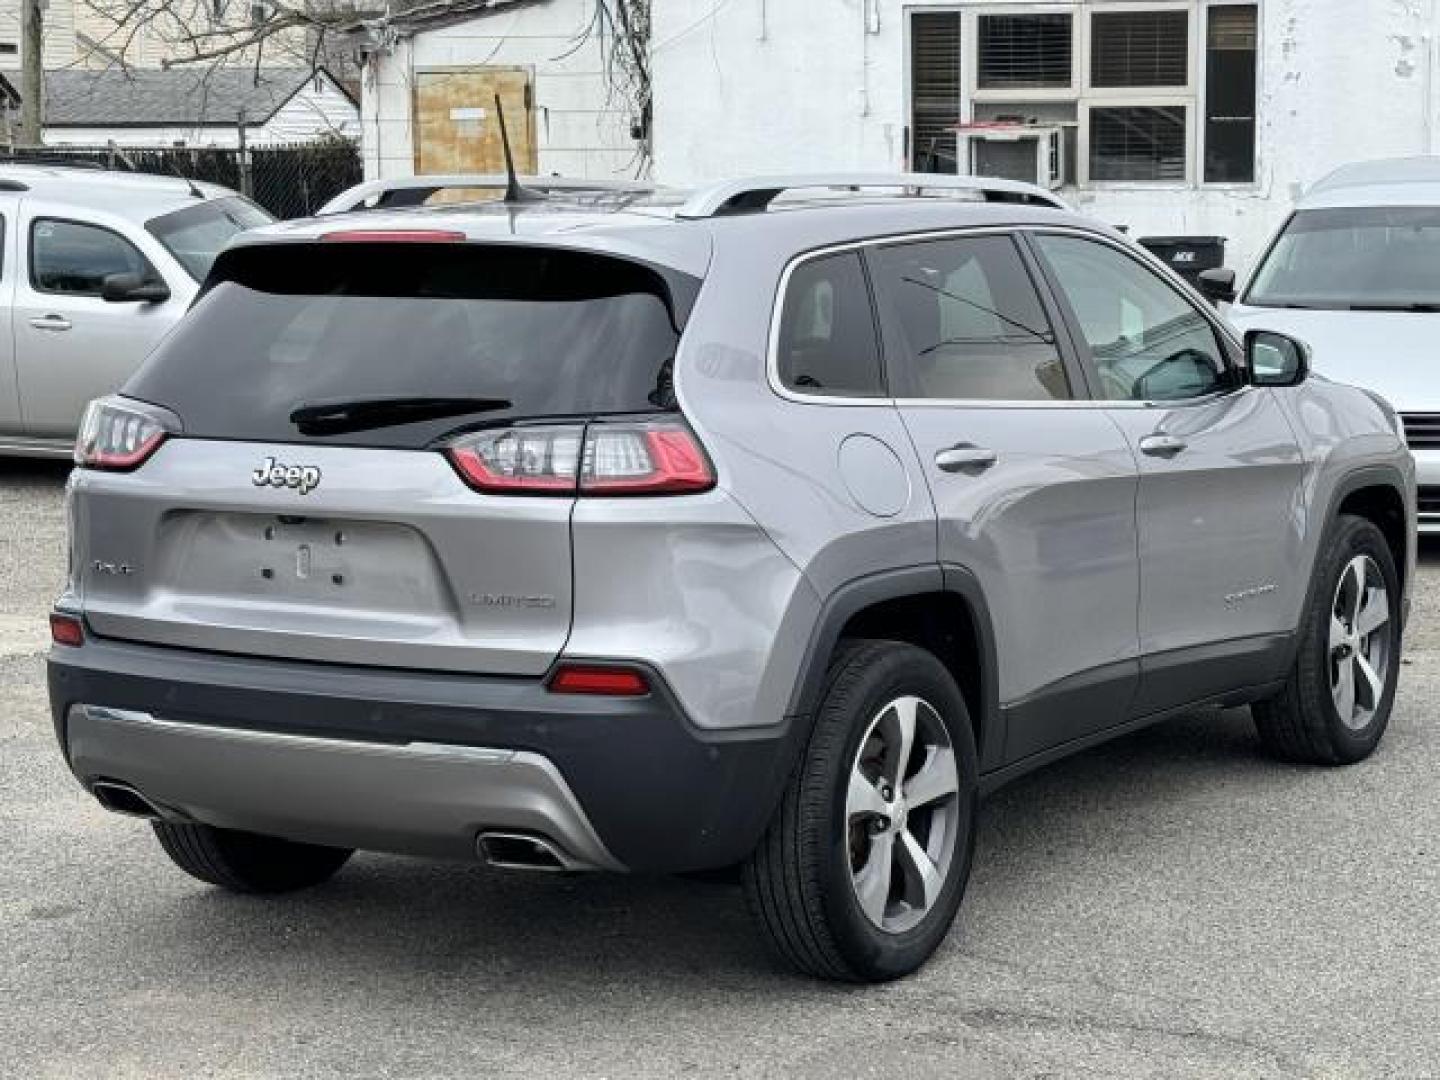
{"points": [[544, 333], [1148, 342], [827, 340], [969, 320], [1383, 257], [73, 258], [196, 234]]}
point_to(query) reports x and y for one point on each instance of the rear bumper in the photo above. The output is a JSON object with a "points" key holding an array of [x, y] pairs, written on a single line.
{"points": [[411, 762]]}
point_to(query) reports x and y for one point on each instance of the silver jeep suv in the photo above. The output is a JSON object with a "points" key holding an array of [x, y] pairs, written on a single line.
{"points": [[767, 527]]}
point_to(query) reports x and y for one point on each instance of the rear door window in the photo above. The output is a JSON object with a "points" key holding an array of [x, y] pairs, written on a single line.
{"points": [[73, 258], [534, 332], [828, 343], [968, 321]]}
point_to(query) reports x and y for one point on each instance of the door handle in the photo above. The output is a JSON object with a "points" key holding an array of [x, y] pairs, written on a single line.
{"points": [[965, 456], [1162, 445], [50, 322]]}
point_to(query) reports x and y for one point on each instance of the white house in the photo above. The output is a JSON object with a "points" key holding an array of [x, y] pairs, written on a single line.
{"points": [[196, 107], [1194, 117]]}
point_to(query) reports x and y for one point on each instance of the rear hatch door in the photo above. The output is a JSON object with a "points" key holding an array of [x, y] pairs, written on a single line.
{"points": [[308, 509]]}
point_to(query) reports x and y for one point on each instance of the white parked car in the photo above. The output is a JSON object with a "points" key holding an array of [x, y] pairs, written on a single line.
{"points": [[95, 268], [1355, 273]]}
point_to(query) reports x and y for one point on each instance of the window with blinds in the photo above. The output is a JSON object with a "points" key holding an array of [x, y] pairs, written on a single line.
{"points": [[1024, 51], [1144, 144], [1139, 48], [1230, 60], [934, 89]]}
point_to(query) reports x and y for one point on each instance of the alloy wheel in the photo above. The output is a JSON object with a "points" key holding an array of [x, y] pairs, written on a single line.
{"points": [[902, 814], [1360, 642]]}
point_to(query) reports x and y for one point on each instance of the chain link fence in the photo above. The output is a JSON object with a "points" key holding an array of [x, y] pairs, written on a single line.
{"points": [[289, 181]]}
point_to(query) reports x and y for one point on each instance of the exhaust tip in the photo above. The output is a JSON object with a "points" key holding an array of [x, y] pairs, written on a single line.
{"points": [[520, 851], [123, 799]]}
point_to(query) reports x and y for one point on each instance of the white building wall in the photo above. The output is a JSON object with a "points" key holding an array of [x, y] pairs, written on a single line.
{"points": [[754, 86], [310, 115], [578, 130]]}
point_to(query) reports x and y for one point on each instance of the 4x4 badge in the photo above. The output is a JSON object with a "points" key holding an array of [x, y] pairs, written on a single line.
{"points": [[271, 473]]}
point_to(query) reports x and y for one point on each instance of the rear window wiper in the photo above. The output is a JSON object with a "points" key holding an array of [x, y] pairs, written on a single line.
{"points": [[340, 416]]}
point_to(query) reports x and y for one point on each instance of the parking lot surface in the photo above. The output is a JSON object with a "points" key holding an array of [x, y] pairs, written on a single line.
{"points": [[1169, 905]]}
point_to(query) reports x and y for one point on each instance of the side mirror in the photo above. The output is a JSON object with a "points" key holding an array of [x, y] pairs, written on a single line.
{"points": [[132, 288], [1218, 285], [1275, 359]]}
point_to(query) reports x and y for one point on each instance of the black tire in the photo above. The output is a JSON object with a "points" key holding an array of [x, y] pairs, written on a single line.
{"points": [[247, 862], [1302, 724], [798, 880]]}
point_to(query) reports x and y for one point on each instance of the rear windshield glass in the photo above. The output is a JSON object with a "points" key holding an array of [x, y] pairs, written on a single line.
{"points": [[1368, 258], [526, 332], [197, 234]]}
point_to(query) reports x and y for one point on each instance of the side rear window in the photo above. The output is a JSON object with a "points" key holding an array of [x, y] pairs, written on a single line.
{"points": [[73, 258], [828, 344], [533, 332], [968, 322]]}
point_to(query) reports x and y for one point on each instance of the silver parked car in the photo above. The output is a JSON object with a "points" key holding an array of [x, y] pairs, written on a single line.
{"points": [[770, 528], [1355, 271], [97, 267]]}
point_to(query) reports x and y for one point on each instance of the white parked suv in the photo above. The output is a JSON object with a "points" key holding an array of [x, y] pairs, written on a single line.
{"points": [[1355, 273], [95, 268]]}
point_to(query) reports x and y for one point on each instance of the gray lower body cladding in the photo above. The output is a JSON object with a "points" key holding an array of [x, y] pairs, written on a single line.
{"points": [[414, 762]]}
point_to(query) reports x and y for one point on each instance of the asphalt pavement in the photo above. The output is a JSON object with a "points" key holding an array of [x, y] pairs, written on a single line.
{"points": [[1169, 905]]}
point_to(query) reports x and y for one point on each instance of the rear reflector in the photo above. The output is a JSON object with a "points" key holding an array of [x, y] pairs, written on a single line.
{"points": [[648, 457], [597, 679], [66, 629], [392, 236]]}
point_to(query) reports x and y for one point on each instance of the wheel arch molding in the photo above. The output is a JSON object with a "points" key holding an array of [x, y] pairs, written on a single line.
{"points": [[941, 608]]}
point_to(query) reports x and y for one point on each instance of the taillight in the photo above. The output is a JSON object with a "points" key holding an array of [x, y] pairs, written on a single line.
{"points": [[653, 457], [119, 434], [521, 460]]}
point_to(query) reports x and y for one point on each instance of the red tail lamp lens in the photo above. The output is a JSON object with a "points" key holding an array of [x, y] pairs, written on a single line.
{"points": [[600, 680], [66, 629]]}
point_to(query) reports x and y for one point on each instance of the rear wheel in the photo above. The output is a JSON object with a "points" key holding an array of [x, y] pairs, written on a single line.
{"points": [[1336, 703], [863, 868], [247, 862]]}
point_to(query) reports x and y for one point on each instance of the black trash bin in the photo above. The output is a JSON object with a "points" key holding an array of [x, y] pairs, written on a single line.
{"points": [[1188, 255]]}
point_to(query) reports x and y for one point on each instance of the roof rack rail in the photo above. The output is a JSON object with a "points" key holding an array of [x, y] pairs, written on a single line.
{"points": [[415, 190], [757, 192]]}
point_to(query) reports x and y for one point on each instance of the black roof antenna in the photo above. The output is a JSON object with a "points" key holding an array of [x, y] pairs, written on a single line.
{"points": [[514, 193]]}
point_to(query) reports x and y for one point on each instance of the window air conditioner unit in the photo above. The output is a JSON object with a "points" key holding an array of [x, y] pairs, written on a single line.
{"points": [[1031, 153]]}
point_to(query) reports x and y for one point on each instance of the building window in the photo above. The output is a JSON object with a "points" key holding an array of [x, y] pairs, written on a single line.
{"points": [[934, 89], [9, 48], [1138, 143], [1230, 60], [1120, 91], [1140, 48], [1025, 51]]}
